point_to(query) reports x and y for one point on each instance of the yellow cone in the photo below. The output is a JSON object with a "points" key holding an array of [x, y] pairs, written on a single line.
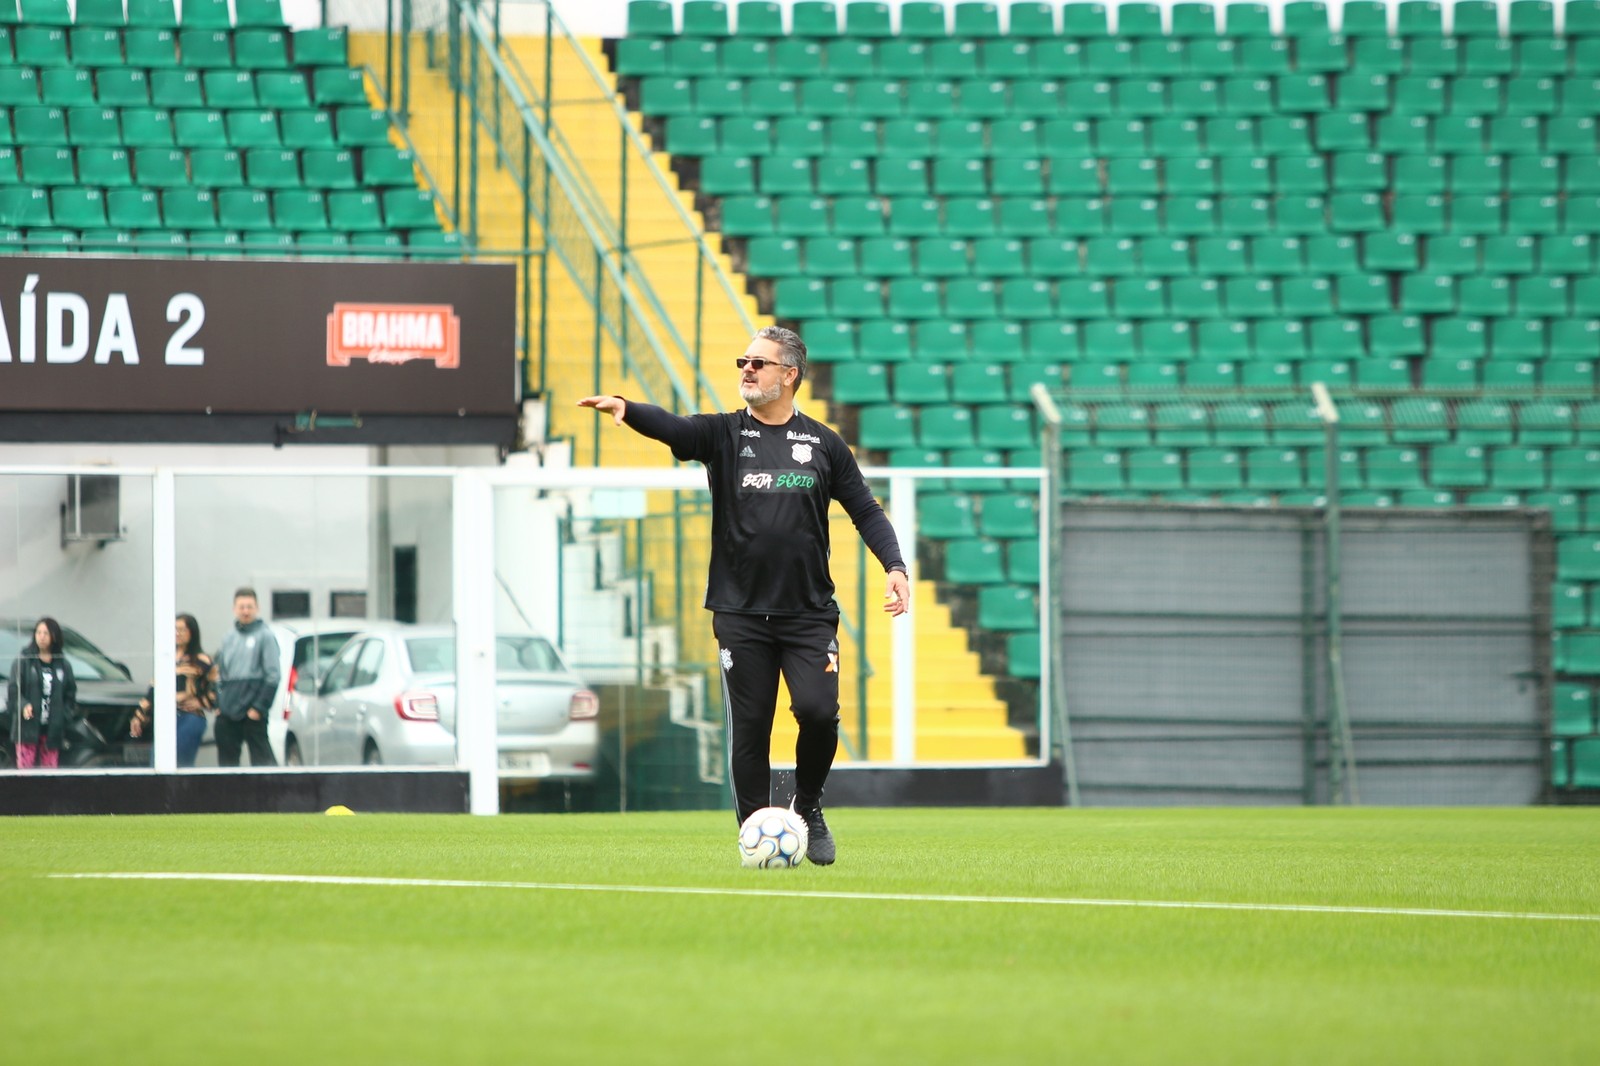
{"points": [[339, 808]]}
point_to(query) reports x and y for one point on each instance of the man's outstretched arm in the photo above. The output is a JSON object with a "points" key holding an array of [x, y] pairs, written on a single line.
{"points": [[651, 421]]}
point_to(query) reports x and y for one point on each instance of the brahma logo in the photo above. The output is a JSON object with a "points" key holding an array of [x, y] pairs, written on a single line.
{"points": [[394, 333]]}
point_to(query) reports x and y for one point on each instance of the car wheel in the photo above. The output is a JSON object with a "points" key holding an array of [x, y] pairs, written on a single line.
{"points": [[291, 752], [370, 756]]}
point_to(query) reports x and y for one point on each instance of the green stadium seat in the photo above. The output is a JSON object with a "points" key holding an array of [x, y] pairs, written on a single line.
{"points": [[65, 87], [146, 127], [1009, 516], [1350, 473], [1569, 609], [1155, 469], [1544, 422], [256, 128], [1215, 469], [219, 168], [320, 47], [205, 48], [411, 208], [889, 426], [650, 18], [1008, 608], [189, 209], [1572, 707], [1274, 469], [40, 46], [1574, 376], [1516, 469], [946, 515], [975, 562], [123, 87], [78, 207], [106, 167], [945, 426], [261, 49], [793, 57], [705, 18], [1393, 468], [160, 168], [835, 341], [358, 211], [266, 168], [743, 58], [921, 384], [978, 383], [1095, 470], [226, 89], [177, 89], [48, 166], [1459, 466], [1419, 420], [1575, 468], [133, 209], [1564, 507], [1578, 558], [40, 126], [94, 127], [1484, 421]]}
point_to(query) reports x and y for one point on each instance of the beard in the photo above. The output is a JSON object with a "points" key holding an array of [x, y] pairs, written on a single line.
{"points": [[753, 394]]}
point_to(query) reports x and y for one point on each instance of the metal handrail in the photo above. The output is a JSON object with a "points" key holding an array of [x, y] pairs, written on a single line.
{"points": [[600, 210], [471, 21], [646, 154]]}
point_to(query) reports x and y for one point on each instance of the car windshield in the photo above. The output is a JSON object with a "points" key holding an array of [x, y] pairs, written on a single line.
{"points": [[89, 663], [312, 654], [430, 655]]}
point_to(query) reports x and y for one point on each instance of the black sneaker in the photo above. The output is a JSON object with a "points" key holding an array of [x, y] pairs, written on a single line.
{"points": [[819, 843]]}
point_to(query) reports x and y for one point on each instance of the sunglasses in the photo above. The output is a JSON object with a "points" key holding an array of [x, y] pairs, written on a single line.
{"points": [[756, 362]]}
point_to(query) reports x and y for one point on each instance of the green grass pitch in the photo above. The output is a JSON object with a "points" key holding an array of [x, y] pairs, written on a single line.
{"points": [[288, 974]]}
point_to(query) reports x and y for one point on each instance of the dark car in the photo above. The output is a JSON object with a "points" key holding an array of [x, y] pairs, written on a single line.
{"points": [[107, 699]]}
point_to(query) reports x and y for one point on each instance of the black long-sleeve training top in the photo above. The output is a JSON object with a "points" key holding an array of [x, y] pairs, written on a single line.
{"points": [[770, 489]]}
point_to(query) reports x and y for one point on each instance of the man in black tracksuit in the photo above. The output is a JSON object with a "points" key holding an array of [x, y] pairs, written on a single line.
{"points": [[773, 472]]}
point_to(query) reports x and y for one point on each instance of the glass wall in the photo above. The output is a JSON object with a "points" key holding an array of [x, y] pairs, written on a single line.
{"points": [[571, 599], [333, 560]]}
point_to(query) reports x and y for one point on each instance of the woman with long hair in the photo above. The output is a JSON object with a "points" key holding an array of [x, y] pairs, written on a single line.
{"points": [[196, 688], [43, 696]]}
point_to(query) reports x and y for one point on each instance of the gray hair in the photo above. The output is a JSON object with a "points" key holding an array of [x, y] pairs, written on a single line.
{"points": [[792, 348]]}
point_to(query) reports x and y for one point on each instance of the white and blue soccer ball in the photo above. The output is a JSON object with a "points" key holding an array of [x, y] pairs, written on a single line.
{"points": [[772, 836]]}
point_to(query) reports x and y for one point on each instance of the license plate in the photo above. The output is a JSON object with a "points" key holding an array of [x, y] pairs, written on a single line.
{"points": [[533, 763]]}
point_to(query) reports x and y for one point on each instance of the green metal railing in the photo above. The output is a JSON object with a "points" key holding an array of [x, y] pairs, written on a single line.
{"points": [[716, 293], [517, 104]]}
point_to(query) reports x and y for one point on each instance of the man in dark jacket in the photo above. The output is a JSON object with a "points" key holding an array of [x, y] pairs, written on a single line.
{"points": [[773, 471], [248, 672]]}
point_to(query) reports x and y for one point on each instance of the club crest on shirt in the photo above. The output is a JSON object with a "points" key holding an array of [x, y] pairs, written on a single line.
{"points": [[801, 453]]}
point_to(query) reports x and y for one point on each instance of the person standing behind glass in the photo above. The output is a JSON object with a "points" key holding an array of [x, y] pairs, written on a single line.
{"points": [[196, 679], [247, 672], [43, 696]]}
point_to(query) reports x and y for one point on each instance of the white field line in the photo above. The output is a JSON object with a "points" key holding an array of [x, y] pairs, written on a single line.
{"points": [[778, 893]]}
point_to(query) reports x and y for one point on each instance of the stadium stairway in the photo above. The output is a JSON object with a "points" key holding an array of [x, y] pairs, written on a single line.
{"points": [[960, 717]]}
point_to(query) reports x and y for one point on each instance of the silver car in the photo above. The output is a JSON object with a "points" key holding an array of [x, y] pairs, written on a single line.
{"points": [[389, 698]]}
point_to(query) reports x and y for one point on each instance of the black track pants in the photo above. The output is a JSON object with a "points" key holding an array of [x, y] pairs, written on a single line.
{"points": [[754, 650]]}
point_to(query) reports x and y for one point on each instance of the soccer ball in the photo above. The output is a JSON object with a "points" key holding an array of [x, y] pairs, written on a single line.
{"points": [[772, 836]]}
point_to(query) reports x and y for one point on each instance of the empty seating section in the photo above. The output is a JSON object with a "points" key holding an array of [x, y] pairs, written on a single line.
{"points": [[132, 129], [1181, 217]]}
